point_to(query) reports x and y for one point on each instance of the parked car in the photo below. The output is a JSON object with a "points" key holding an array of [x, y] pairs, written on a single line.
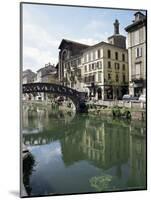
{"points": [[142, 98], [128, 98]]}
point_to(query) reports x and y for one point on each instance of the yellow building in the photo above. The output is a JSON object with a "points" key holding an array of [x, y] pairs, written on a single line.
{"points": [[105, 71]]}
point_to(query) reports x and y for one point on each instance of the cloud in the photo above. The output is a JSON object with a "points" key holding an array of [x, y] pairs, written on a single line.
{"points": [[93, 25], [88, 41], [39, 45], [34, 58]]}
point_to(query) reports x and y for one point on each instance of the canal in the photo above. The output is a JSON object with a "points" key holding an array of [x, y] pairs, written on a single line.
{"points": [[73, 153]]}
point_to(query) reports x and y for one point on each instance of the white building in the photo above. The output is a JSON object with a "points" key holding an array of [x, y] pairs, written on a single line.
{"points": [[137, 54]]}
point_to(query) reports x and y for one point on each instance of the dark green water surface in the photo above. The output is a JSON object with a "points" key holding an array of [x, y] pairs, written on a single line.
{"points": [[81, 153]]}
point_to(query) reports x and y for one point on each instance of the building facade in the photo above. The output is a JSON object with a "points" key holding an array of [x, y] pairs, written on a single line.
{"points": [[28, 76], [105, 71], [137, 54], [100, 70], [47, 74]]}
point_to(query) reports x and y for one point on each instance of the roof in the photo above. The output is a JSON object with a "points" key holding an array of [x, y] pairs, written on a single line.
{"points": [[48, 69], [136, 24], [117, 35], [101, 44], [138, 12], [72, 42], [29, 73]]}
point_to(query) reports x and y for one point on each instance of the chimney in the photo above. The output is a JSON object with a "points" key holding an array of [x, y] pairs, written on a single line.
{"points": [[138, 16]]}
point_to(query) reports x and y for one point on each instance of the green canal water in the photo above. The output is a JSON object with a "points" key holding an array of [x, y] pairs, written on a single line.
{"points": [[82, 153]]}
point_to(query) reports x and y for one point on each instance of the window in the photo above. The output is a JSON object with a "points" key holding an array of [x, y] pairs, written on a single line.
{"points": [[93, 55], [109, 54], [117, 66], [109, 76], [136, 37], [91, 78], [109, 64], [85, 58], [123, 67], [124, 78], [116, 55], [85, 68], [92, 66], [100, 66], [98, 52], [94, 77], [138, 52], [89, 67], [138, 70], [123, 57], [89, 56], [99, 77], [117, 78]]}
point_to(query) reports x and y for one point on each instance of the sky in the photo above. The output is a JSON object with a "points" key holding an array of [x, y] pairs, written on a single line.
{"points": [[44, 27]]}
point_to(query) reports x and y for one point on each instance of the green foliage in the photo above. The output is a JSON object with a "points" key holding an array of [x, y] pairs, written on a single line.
{"points": [[116, 111], [121, 112], [101, 183]]}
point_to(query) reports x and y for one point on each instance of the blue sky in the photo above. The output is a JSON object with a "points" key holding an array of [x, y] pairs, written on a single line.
{"points": [[44, 26]]}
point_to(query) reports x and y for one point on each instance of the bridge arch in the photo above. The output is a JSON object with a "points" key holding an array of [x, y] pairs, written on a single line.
{"points": [[77, 97]]}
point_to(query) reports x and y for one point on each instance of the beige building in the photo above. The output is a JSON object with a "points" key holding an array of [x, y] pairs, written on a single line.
{"points": [[105, 71], [137, 54], [100, 70]]}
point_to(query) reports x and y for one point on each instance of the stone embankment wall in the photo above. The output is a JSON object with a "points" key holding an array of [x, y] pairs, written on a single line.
{"points": [[135, 115]]}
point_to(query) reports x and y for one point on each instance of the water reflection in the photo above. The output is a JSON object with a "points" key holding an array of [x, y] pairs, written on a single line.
{"points": [[70, 151], [28, 164]]}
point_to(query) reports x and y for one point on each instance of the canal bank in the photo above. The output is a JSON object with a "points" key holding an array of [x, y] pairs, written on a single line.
{"points": [[106, 109], [134, 114], [134, 110]]}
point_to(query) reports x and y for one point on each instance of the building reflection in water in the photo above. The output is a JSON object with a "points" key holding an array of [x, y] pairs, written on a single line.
{"points": [[137, 157], [105, 143], [101, 143]]}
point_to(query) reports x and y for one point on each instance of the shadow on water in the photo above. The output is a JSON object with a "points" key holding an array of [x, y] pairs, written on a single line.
{"points": [[28, 165]]}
